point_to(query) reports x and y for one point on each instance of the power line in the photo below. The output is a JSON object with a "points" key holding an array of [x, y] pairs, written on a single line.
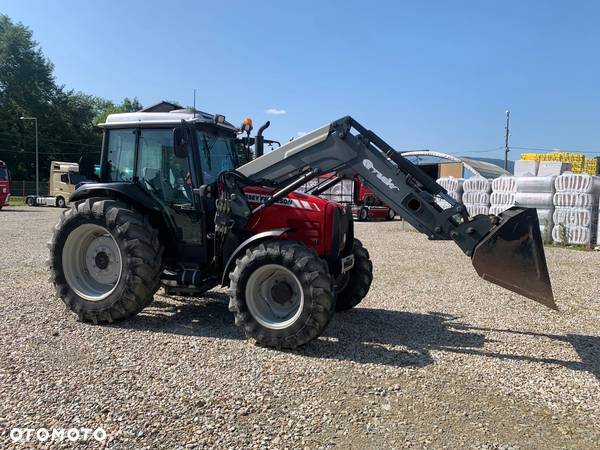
{"points": [[489, 150], [50, 153], [8, 133]]}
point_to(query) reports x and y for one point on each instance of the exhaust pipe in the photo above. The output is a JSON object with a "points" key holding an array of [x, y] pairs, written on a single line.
{"points": [[259, 140], [511, 255]]}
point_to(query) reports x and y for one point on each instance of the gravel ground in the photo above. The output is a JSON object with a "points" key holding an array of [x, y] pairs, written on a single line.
{"points": [[434, 357]]}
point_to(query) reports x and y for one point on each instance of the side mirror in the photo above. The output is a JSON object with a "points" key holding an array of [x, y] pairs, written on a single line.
{"points": [[180, 142]]}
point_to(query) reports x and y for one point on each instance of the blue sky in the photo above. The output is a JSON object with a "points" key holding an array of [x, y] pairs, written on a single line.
{"points": [[435, 75]]}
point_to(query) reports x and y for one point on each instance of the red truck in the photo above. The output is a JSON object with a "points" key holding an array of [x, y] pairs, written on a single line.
{"points": [[365, 205], [4, 184]]}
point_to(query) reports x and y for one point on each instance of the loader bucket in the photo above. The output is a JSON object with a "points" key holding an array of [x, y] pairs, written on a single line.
{"points": [[512, 256]]}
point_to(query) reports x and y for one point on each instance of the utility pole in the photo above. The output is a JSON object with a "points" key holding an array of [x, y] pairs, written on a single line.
{"points": [[506, 148], [37, 160]]}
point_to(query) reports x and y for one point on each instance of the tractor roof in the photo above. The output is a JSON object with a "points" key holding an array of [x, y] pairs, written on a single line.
{"points": [[170, 118]]}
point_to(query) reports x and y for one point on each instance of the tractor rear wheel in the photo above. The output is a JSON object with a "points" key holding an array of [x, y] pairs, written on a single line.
{"points": [[281, 294], [105, 260], [353, 286]]}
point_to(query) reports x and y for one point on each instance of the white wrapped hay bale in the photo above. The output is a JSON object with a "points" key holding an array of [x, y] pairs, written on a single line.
{"points": [[504, 184], [497, 209], [475, 210], [552, 168], [577, 217], [535, 184], [534, 199], [451, 184], [477, 184], [454, 187], [545, 216], [504, 189], [476, 195], [598, 234], [526, 168], [571, 235], [576, 209], [528, 192], [342, 192], [476, 198], [502, 199], [573, 200], [578, 182]]}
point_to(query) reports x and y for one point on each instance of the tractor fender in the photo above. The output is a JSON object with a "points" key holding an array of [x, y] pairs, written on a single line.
{"points": [[247, 243], [126, 190]]}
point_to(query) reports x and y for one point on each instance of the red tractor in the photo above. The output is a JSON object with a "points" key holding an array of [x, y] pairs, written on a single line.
{"points": [[171, 210]]}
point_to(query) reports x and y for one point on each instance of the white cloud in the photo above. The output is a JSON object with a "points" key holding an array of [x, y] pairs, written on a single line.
{"points": [[276, 111], [299, 134]]}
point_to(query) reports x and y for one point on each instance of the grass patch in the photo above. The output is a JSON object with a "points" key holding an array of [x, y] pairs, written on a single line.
{"points": [[580, 247], [16, 201]]}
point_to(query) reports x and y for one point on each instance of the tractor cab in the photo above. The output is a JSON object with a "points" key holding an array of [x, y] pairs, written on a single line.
{"points": [[170, 162]]}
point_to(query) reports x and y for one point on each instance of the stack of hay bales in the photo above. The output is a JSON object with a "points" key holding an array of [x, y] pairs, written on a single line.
{"points": [[341, 192], [504, 190], [577, 162], [528, 192], [591, 166], [454, 187], [576, 209], [538, 193], [476, 195]]}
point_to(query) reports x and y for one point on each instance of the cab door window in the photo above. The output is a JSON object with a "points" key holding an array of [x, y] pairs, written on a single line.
{"points": [[160, 171], [121, 154], [216, 155]]}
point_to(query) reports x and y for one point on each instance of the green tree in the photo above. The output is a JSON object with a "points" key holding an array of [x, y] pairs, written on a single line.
{"points": [[66, 119], [127, 105]]}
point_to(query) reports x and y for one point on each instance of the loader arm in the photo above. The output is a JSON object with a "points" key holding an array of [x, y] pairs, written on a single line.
{"points": [[506, 249]]}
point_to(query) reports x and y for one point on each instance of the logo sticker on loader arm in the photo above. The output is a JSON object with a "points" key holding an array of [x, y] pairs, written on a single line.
{"points": [[385, 180]]}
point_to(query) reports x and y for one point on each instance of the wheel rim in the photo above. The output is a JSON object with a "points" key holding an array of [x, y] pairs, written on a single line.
{"points": [[274, 296], [92, 262], [391, 214], [363, 214]]}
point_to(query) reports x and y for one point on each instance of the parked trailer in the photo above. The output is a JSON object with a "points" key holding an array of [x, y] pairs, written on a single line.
{"points": [[4, 184], [364, 204], [64, 177], [367, 206]]}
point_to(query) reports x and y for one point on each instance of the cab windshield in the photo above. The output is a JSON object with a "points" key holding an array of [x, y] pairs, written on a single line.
{"points": [[3, 174], [217, 154]]}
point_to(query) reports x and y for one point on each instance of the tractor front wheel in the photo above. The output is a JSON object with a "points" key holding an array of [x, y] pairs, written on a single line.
{"points": [[105, 260], [281, 294], [352, 286]]}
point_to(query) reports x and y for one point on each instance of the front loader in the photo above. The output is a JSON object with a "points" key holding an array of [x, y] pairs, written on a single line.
{"points": [[171, 209]]}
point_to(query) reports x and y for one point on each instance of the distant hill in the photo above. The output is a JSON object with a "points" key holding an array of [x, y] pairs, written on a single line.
{"points": [[498, 162]]}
